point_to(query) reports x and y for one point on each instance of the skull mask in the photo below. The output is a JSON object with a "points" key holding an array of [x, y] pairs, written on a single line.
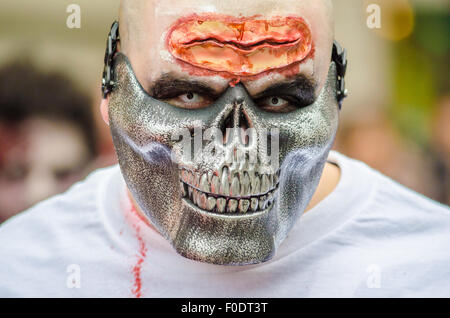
{"points": [[210, 208]]}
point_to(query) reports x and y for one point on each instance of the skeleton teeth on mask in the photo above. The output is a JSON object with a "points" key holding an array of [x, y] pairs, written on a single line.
{"points": [[220, 192]]}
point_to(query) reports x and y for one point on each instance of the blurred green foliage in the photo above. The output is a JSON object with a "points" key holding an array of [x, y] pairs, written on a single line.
{"points": [[421, 74]]}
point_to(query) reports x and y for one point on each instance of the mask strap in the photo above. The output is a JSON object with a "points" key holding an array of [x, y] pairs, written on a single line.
{"points": [[108, 83], [339, 57]]}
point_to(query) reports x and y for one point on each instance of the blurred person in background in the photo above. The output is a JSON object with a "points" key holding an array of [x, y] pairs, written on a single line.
{"points": [[46, 136], [375, 141]]}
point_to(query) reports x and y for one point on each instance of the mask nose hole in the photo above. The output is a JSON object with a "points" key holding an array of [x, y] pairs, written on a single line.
{"points": [[236, 121], [243, 120]]}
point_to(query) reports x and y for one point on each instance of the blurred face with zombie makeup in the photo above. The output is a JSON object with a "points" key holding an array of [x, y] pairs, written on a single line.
{"points": [[46, 136]]}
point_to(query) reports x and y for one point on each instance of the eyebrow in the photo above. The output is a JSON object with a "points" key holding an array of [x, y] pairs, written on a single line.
{"points": [[168, 86], [301, 87]]}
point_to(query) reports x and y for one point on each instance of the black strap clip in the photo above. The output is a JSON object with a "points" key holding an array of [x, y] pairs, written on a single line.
{"points": [[108, 83], [339, 57]]}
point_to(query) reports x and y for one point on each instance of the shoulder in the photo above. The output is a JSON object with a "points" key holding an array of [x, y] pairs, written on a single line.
{"points": [[387, 195], [404, 205], [37, 240], [403, 232]]}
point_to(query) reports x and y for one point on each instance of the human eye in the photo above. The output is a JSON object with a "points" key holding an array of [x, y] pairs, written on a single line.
{"points": [[190, 100], [277, 104]]}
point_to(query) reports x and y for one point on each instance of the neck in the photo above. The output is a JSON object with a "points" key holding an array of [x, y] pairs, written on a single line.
{"points": [[328, 182]]}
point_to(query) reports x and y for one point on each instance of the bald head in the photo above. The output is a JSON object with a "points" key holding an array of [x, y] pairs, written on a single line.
{"points": [[146, 24], [136, 16]]}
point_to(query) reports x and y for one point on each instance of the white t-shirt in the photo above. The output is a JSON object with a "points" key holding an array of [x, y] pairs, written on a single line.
{"points": [[371, 237]]}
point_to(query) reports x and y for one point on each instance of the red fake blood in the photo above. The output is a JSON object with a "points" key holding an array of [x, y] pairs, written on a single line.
{"points": [[242, 46], [234, 82], [142, 252], [288, 71], [137, 287]]}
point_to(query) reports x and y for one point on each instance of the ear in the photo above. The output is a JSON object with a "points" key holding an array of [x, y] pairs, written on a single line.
{"points": [[104, 104]]}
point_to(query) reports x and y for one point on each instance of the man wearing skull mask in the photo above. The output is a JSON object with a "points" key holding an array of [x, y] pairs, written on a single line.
{"points": [[181, 77]]}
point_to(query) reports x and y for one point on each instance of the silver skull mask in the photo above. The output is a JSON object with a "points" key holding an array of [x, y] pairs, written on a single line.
{"points": [[210, 209]]}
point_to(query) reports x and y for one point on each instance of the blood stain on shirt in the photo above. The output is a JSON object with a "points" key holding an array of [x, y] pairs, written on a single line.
{"points": [[137, 268], [142, 252]]}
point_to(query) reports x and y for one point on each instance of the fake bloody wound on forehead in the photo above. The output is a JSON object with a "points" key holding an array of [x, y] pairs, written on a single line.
{"points": [[239, 46]]}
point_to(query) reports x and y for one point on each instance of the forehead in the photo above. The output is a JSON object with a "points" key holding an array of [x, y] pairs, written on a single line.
{"points": [[151, 57], [178, 8]]}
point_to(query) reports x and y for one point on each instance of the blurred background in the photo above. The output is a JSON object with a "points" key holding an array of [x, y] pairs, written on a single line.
{"points": [[396, 118]]}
